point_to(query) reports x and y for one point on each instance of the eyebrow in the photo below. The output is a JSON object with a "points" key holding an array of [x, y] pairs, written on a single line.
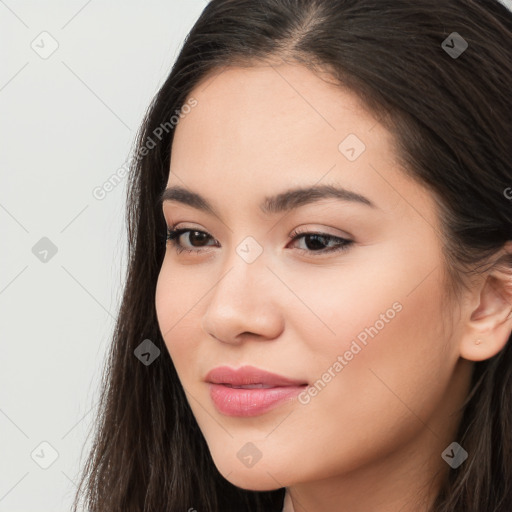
{"points": [[282, 202]]}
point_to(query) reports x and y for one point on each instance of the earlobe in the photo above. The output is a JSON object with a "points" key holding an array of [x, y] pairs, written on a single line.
{"points": [[489, 326]]}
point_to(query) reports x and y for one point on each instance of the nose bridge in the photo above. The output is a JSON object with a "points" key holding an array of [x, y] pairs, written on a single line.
{"points": [[244, 273], [240, 300]]}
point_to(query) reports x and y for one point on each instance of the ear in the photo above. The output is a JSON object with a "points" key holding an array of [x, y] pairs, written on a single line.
{"points": [[490, 323]]}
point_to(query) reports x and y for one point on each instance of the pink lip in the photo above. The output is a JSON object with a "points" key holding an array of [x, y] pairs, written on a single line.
{"points": [[232, 401]]}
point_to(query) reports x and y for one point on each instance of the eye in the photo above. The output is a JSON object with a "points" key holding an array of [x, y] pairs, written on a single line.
{"points": [[195, 235], [316, 243]]}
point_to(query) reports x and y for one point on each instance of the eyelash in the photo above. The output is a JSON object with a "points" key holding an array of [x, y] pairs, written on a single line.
{"points": [[173, 236]]}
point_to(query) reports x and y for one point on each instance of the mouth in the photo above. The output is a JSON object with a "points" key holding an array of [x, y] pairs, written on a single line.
{"points": [[249, 386], [250, 391]]}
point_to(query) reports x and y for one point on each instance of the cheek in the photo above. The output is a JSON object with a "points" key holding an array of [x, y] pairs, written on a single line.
{"points": [[386, 317], [175, 299], [392, 376]]}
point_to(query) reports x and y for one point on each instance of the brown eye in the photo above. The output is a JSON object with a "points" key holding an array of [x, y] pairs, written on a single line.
{"points": [[319, 242], [196, 237]]}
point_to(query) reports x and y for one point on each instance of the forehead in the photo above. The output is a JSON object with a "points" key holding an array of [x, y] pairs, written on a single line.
{"points": [[276, 103], [258, 130], [269, 118]]}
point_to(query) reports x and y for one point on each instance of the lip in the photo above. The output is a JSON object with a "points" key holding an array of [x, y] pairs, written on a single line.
{"points": [[267, 390]]}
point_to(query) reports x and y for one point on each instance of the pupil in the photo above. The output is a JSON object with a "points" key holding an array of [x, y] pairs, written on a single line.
{"points": [[315, 237], [196, 234]]}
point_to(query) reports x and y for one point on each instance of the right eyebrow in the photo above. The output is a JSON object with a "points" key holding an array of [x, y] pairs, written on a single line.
{"points": [[282, 202]]}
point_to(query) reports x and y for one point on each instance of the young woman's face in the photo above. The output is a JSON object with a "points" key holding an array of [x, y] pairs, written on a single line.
{"points": [[358, 331]]}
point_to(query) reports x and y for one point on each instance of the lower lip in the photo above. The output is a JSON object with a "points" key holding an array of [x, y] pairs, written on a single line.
{"points": [[250, 402]]}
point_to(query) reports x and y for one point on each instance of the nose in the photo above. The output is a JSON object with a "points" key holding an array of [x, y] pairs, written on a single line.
{"points": [[243, 304]]}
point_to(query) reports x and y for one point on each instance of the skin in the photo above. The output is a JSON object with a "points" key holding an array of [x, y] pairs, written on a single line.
{"points": [[383, 421]]}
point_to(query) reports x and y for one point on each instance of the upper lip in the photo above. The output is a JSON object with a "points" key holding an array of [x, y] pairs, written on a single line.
{"points": [[247, 375]]}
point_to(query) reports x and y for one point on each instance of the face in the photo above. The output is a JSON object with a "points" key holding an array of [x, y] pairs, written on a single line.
{"points": [[341, 294]]}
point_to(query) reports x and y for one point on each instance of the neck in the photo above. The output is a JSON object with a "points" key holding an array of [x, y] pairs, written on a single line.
{"points": [[411, 487]]}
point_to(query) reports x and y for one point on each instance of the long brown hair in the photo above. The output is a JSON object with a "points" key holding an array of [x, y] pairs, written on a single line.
{"points": [[449, 107]]}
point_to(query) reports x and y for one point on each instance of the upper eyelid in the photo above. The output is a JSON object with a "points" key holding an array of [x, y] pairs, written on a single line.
{"points": [[301, 230]]}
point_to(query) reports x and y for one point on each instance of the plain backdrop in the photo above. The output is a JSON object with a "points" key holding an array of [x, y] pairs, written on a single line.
{"points": [[68, 120], [75, 80]]}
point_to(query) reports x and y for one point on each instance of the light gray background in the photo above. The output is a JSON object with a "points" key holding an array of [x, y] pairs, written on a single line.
{"points": [[68, 121], [67, 124]]}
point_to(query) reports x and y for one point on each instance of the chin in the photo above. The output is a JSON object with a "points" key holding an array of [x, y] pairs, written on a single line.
{"points": [[254, 482], [261, 478]]}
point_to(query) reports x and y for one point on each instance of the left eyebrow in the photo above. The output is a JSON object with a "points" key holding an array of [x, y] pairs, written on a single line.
{"points": [[282, 202]]}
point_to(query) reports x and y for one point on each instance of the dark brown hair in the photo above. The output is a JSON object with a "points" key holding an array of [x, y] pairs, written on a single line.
{"points": [[451, 118]]}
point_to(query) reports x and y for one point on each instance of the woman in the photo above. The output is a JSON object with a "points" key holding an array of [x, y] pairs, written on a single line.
{"points": [[317, 313]]}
